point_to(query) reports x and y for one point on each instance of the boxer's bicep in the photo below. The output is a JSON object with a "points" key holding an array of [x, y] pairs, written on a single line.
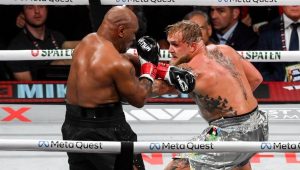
{"points": [[125, 79], [134, 59]]}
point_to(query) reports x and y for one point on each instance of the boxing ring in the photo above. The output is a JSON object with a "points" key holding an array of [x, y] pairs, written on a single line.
{"points": [[31, 113]]}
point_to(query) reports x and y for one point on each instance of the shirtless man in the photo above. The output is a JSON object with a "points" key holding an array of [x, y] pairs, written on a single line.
{"points": [[100, 78], [223, 90]]}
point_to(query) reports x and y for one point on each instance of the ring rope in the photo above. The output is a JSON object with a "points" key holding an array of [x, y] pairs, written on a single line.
{"points": [[53, 54], [157, 2], [148, 147]]}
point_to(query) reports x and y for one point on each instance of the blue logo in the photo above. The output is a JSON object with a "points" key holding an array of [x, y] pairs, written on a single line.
{"points": [[43, 144], [155, 146], [266, 145]]}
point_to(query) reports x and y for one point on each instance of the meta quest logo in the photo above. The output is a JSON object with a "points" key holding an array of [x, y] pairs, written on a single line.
{"points": [[180, 146], [70, 144], [265, 146], [43, 144], [280, 146], [155, 146]]}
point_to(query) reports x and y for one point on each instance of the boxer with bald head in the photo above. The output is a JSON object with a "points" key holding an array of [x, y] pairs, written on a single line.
{"points": [[222, 85], [100, 78]]}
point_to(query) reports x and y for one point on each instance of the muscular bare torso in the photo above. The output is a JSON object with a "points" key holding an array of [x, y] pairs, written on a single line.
{"points": [[222, 88], [90, 81]]}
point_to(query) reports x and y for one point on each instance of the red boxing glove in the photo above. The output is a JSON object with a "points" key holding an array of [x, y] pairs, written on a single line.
{"points": [[149, 53], [148, 70], [162, 71]]}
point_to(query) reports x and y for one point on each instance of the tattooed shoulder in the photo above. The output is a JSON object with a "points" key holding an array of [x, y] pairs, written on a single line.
{"points": [[227, 63], [214, 53]]}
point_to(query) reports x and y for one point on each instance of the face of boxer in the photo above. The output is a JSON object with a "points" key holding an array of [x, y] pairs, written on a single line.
{"points": [[293, 12], [35, 15], [223, 18], [128, 36], [179, 49]]}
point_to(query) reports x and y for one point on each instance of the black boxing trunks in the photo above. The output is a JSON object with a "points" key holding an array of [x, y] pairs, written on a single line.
{"points": [[103, 123], [252, 126]]}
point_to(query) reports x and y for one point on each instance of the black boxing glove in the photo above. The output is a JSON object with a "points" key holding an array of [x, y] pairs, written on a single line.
{"points": [[181, 79], [149, 53]]}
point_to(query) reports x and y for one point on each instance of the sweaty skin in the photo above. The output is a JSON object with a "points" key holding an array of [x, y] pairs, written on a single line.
{"points": [[224, 80], [222, 87], [99, 74]]}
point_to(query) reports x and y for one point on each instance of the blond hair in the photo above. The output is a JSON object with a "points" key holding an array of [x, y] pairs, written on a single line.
{"points": [[191, 32]]}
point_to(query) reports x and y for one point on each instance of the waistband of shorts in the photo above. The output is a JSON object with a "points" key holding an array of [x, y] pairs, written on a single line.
{"points": [[234, 119], [104, 111]]}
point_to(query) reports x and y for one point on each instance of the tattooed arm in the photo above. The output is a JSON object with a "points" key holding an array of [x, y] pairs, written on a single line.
{"points": [[161, 87]]}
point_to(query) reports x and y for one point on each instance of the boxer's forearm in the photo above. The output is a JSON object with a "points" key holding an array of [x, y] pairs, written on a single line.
{"points": [[161, 87]]}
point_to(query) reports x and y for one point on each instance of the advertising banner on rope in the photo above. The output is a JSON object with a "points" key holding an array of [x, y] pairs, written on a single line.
{"points": [[165, 56]]}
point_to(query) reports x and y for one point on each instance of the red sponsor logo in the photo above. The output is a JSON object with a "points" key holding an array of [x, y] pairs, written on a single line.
{"points": [[5, 91], [154, 158], [16, 114], [289, 157], [35, 53]]}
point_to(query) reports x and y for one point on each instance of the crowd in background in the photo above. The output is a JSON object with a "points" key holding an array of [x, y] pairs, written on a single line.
{"points": [[54, 27]]}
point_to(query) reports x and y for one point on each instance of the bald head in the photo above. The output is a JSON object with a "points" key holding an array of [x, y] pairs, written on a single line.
{"points": [[119, 27], [120, 16]]}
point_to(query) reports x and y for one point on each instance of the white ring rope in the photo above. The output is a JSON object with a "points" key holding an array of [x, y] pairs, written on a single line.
{"points": [[157, 2], [53, 54], [148, 147]]}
